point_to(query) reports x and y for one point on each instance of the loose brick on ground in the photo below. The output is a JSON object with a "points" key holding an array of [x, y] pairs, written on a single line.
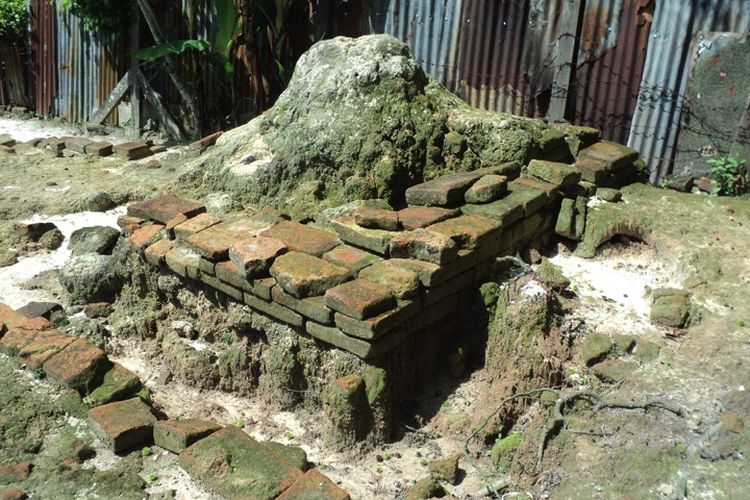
{"points": [[123, 425], [99, 148], [176, 435], [80, 366], [43, 346], [133, 150], [314, 485], [15, 472], [118, 383], [424, 245], [360, 298], [78, 144], [303, 238], [303, 275], [165, 208]]}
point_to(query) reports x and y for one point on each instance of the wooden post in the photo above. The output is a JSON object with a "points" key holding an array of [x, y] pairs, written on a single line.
{"points": [[136, 115], [564, 59]]}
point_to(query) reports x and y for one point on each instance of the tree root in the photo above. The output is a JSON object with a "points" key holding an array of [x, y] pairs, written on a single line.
{"points": [[556, 420]]}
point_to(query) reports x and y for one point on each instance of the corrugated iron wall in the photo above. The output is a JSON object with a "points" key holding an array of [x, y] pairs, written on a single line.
{"points": [[43, 42]]}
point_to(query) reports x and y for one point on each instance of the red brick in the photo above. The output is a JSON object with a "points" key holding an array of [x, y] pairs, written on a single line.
{"points": [[380, 325], [302, 238], [469, 231], [145, 236], [314, 308], [129, 220], [195, 225], [156, 253], [303, 275], [79, 366], [443, 191], [351, 258], [165, 208], [254, 256], [486, 189], [124, 425], [377, 218], [402, 282], [314, 485], [228, 272], [419, 217], [43, 346], [593, 170], [183, 261], [212, 243], [424, 245], [360, 299], [133, 150], [374, 240], [176, 435]]}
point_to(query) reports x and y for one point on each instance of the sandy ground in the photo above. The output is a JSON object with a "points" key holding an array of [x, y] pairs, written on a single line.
{"points": [[33, 128]]}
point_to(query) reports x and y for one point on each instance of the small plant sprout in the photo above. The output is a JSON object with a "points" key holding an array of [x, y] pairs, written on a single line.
{"points": [[145, 451], [289, 436], [241, 424], [379, 469], [729, 175], [153, 477]]}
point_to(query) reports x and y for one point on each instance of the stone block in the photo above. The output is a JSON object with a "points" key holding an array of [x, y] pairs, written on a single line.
{"points": [[444, 191], [532, 198], [177, 435], [229, 273], [78, 144], [132, 150], [469, 231], [37, 309], [377, 218], [274, 310], [377, 326], [451, 287], [429, 274], [254, 256], [487, 189], [119, 383], [360, 298], [303, 238], [195, 225], [594, 171], [608, 194], [612, 154], [183, 261], [101, 148], [374, 240], [314, 308], [304, 275], [560, 174], [123, 425], [314, 485], [236, 466], [165, 208], [419, 217], [424, 245], [79, 366], [156, 253], [351, 258], [403, 283]]}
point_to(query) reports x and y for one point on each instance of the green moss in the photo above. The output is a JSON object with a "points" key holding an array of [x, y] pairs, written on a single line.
{"points": [[552, 275], [595, 347], [504, 449]]}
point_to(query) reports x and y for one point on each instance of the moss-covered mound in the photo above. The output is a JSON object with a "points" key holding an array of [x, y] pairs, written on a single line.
{"points": [[360, 119]]}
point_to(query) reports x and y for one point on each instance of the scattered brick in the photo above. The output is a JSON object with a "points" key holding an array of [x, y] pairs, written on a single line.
{"points": [[39, 309], [119, 383], [302, 238], [123, 425], [129, 220], [145, 236], [198, 147], [80, 366], [254, 256], [195, 225], [376, 218], [176, 435], [351, 258], [486, 189], [360, 298], [6, 140], [165, 208], [424, 245], [34, 230], [402, 282], [303, 275], [42, 347], [99, 149], [375, 240], [528, 197], [316, 485], [78, 144], [133, 150]]}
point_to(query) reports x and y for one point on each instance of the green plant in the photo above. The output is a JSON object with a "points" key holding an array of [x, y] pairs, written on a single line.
{"points": [[100, 16], [12, 20], [241, 424], [145, 451], [153, 477], [729, 175]]}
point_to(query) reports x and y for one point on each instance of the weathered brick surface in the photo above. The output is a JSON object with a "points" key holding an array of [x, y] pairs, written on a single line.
{"points": [[374, 240], [418, 217], [314, 485], [444, 191], [99, 148], [78, 144], [123, 425], [129, 220], [314, 308], [469, 231], [402, 282], [377, 326], [614, 155], [133, 150], [228, 272], [145, 236], [450, 287], [176, 435], [39, 309], [118, 383], [156, 253], [274, 310], [195, 224], [222, 287], [351, 258], [486, 189], [530, 198], [560, 174], [254, 256], [593, 170], [302, 238], [303, 275], [15, 472], [429, 274], [424, 245], [165, 208], [360, 298], [377, 218], [43, 346], [212, 243], [183, 261], [80, 366]]}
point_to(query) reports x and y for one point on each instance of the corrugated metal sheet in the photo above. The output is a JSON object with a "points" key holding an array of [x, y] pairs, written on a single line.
{"points": [[43, 41], [656, 118]]}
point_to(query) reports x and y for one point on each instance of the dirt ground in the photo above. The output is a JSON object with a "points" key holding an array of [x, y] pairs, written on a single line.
{"points": [[692, 241]]}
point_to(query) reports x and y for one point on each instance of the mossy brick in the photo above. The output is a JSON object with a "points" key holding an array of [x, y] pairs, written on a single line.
{"points": [[183, 261], [621, 177], [608, 194], [145, 236], [262, 287], [451, 287], [360, 298], [566, 219], [77, 144], [418, 217], [43, 346], [164, 208], [579, 223], [376, 218], [426, 245], [403, 283], [670, 307], [303, 238], [424, 489], [101, 148], [206, 266], [274, 310], [365, 349], [469, 231], [623, 344], [118, 383], [445, 469], [731, 421], [595, 348], [79, 366], [135, 150], [487, 189], [177, 435], [156, 253], [15, 472], [212, 243], [552, 275], [645, 352], [551, 191], [346, 409], [593, 171], [253, 257], [195, 225], [504, 449], [314, 485], [614, 155], [222, 287], [529, 199], [13, 494], [587, 188], [314, 308], [123, 425], [444, 191], [614, 370], [560, 174], [374, 240], [505, 211], [229, 273], [303, 275], [551, 140], [351, 258], [429, 274], [236, 466], [12, 319], [14, 339], [380, 325]]}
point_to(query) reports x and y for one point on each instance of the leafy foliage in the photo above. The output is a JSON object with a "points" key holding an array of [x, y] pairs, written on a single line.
{"points": [[151, 54], [12, 19], [729, 175], [100, 16]]}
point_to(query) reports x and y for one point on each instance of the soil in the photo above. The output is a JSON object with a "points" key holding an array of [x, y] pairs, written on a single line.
{"points": [[691, 241]]}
